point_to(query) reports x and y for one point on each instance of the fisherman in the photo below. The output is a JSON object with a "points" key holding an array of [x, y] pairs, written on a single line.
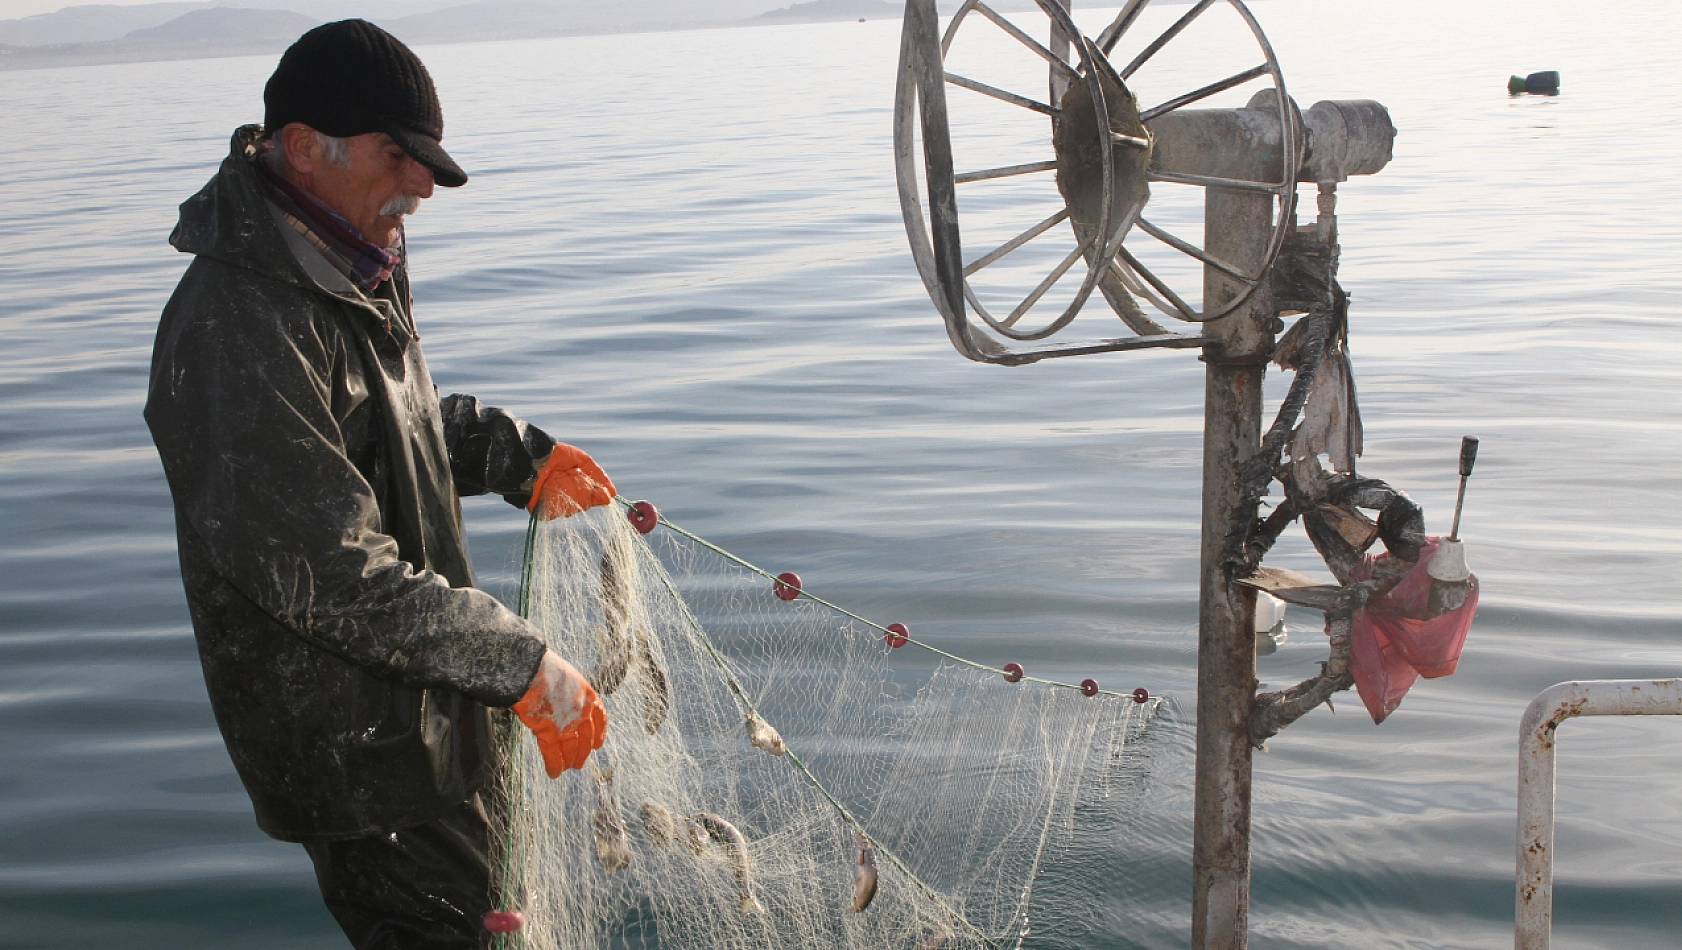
{"points": [[360, 680]]}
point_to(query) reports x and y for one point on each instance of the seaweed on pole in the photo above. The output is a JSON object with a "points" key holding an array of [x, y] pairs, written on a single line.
{"points": [[1325, 502]]}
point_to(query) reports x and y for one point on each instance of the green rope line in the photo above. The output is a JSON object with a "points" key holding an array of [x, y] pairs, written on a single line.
{"points": [[516, 784], [742, 562], [526, 566], [742, 695]]}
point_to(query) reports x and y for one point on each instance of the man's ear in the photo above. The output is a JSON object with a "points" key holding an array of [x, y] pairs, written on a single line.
{"points": [[300, 148]]}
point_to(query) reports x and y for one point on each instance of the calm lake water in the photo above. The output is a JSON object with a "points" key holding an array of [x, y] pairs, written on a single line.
{"points": [[683, 251]]}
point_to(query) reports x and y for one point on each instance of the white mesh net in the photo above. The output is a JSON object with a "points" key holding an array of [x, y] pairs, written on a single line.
{"points": [[964, 784]]}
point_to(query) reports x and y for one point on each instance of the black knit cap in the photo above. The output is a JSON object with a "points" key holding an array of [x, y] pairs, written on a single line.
{"points": [[351, 77]]}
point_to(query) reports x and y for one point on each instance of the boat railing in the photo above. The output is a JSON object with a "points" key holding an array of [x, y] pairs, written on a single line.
{"points": [[1534, 916]]}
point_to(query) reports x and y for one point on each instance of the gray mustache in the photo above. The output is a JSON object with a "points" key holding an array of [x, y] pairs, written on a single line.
{"points": [[402, 204]]}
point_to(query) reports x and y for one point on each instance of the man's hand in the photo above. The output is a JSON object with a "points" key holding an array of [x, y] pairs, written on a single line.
{"points": [[564, 713], [569, 482]]}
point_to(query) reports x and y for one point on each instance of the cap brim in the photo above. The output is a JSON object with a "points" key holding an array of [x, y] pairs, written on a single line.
{"points": [[428, 151]]}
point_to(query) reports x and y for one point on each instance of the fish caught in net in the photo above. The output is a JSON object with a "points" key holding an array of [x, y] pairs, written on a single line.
{"points": [[776, 773]]}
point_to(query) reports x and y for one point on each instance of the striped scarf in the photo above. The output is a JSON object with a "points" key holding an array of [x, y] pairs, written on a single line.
{"points": [[363, 263]]}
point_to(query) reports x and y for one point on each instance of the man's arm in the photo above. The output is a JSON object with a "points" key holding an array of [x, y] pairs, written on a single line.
{"points": [[491, 450], [241, 409]]}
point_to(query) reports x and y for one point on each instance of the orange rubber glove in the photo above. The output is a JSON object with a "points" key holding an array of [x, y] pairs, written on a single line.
{"points": [[564, 713], [569, 482]]}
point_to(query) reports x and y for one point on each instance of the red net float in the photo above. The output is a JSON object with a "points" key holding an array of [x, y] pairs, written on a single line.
{"points": [[787, 585], [644, 516], [1013, 672], [1141, 695], [504, 921], [898, 635], [1089, 687]]}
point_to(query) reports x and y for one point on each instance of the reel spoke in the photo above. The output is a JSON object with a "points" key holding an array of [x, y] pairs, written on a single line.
{"points": [[1004, 171], [1186, 247], [1001, 328], [1156, 282], [1121, 24], [1212, 181], [1057, 63], [1161, 41], [1061, 38], [1016, 242], [1138, 287], [1000, 94], [1050, 280], [1237, 79], [1060, 42], [981, 311], [952, 27]]}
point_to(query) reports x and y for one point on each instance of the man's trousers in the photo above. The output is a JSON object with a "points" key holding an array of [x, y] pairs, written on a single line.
{"points": [[421, 888]]}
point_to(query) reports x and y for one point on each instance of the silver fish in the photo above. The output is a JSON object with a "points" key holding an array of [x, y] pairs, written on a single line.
{"points": [[613, 849], [612, 661], [864, 875], [656, 697], [660, 824], [613, 640], [618, 564], [763, 736], [694, 836], [726, 834], [935, 940]]}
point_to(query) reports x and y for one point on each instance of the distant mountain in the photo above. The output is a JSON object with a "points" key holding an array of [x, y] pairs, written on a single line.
{"points": [[376, 10], [97, 23], [837, 10], [220, 25], [505, 19], [90, 24], [511, 19], [216, 31], [179, 30], [817, 10]]}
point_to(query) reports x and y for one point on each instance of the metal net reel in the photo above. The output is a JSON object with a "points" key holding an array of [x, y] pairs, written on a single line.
{"points": [[1106, 155]]}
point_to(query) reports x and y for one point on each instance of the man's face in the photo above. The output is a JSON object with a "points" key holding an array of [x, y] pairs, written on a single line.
{"points": [[374, 190]]}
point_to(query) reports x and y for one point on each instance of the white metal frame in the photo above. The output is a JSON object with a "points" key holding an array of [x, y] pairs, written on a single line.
{"points": [[1535, 880]]}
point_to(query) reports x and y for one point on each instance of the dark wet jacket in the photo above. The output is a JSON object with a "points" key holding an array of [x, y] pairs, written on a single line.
{"points": [[348, 657]]}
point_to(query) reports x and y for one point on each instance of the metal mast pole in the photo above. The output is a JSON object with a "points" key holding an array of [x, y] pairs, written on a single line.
{"points": [[1236, 229]]}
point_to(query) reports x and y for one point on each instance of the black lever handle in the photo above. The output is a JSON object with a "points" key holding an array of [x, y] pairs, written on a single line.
{"points": [[1468, 455]]}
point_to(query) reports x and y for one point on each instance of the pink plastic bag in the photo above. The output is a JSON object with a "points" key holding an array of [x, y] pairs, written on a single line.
{"points": [[1390, 646]]}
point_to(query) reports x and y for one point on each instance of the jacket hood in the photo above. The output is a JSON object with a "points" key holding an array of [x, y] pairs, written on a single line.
{"points": [[229, 220]]}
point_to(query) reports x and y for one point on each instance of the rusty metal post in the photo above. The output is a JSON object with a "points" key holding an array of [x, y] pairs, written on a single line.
{"points": [[1236, 228]]}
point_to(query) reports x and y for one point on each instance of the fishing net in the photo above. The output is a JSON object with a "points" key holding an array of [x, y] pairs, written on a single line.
{"points": [[756, 745]]}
